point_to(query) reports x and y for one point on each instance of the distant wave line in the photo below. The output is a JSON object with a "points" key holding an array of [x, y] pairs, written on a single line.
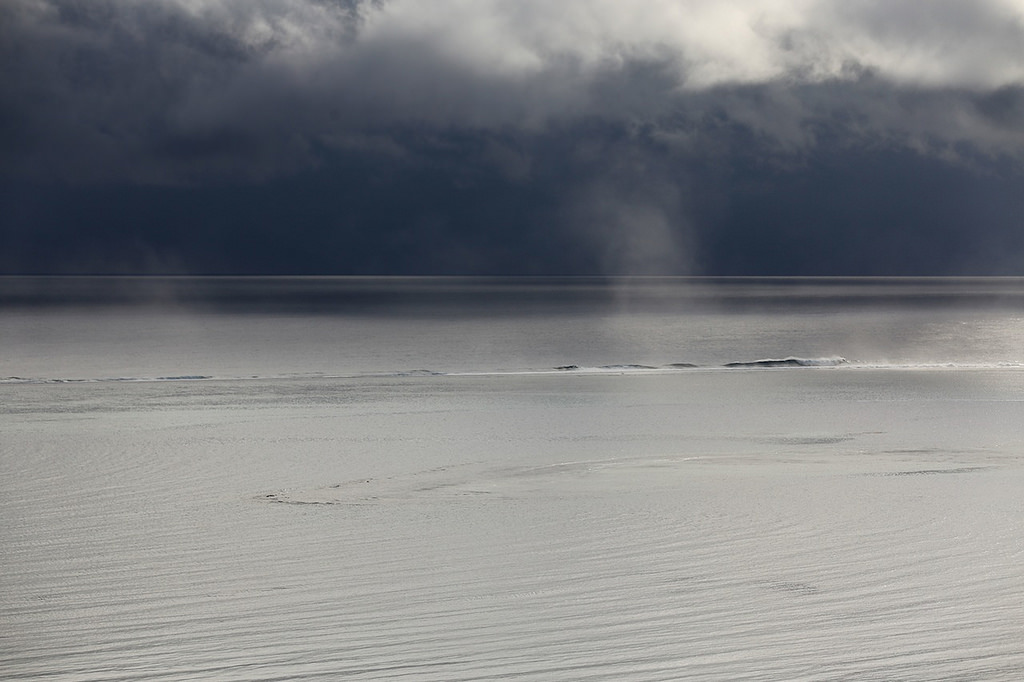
{"points": [[837, 363]]}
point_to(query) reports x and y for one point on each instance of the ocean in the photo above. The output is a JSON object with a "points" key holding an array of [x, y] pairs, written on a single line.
{"points": [[511, 478]]}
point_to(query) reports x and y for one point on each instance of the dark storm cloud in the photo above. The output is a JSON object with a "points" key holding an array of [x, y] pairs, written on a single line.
{"points": [[149, 91], [496, 136]]}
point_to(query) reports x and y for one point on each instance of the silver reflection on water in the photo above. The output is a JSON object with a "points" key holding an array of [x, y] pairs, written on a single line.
{"points": [[390, 479]]}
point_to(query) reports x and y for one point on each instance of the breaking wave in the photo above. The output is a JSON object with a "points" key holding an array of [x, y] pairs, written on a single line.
{"points": [[791, 362], [770, 362]]}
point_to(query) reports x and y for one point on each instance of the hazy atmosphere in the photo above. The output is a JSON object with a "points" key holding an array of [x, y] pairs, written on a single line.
{"points": [[690, 137], [534, 340]]}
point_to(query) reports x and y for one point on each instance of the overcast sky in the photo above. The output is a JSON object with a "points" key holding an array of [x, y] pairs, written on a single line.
{"points": [[512, 136]]}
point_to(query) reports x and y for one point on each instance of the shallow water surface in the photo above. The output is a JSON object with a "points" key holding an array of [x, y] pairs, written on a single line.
{"points": [[319, 510]]}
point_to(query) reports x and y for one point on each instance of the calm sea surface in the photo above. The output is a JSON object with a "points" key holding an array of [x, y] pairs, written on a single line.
{"points": [[537, 479]]}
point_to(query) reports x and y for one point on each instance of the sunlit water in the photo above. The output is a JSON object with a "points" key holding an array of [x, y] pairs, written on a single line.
{"points": [[528, 479]]}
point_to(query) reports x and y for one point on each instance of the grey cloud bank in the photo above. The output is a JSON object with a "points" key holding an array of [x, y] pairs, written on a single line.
{"points": [[659, 136]]}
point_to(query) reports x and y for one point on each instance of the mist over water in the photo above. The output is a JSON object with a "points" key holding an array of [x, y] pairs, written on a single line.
{"points": [[103, 328], [450, 479]]}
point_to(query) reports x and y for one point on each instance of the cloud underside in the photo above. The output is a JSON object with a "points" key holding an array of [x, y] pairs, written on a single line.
{"points": [[636, 125], [196, 89]]}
